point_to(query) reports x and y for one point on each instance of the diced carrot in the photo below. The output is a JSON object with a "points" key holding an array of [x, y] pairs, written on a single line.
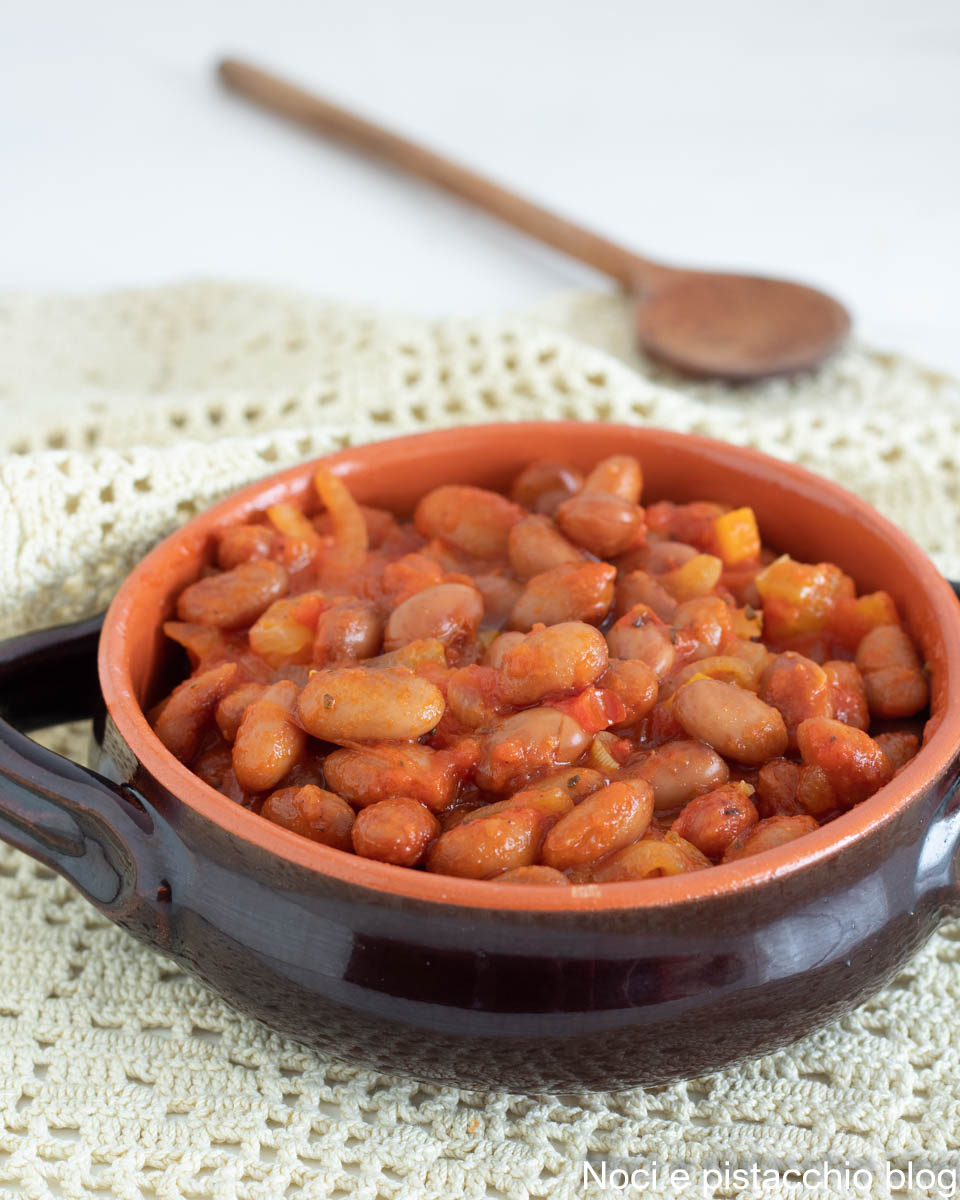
{"points": [[852, 619], [799, 598], [736, 537]]}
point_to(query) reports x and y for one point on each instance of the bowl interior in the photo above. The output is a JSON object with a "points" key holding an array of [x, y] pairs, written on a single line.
{"points": [[798, 513]]}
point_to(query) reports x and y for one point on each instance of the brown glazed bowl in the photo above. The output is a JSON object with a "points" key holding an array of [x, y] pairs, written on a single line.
{"points": [[471, 983]]}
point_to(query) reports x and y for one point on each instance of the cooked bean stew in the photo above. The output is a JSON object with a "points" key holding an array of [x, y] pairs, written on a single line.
{"points": [[556, 686]]}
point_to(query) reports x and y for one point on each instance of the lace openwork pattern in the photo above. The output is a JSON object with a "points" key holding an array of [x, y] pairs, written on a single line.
{"points": [[121, 1076]]}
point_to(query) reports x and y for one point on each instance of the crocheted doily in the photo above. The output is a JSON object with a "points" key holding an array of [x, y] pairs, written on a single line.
{"points": [[120, 1075]]}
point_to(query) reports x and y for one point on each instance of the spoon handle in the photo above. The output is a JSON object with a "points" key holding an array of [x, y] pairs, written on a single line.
{"points": [[374, 141]]}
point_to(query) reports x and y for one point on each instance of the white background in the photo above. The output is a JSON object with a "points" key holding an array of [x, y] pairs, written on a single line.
{"points": [[817, 139]]}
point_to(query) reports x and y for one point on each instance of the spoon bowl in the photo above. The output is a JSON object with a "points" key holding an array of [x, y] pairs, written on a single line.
{"points": [[738, 327]]}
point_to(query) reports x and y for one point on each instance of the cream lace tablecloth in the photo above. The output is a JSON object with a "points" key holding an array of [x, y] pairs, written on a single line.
{"points": [[120, 1076]]}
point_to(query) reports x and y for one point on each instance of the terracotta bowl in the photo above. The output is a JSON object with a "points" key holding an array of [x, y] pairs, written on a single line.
{"points": [[466, 982]]}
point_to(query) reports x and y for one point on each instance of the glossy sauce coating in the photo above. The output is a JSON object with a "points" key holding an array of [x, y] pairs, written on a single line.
{"points": [[558, 685]]}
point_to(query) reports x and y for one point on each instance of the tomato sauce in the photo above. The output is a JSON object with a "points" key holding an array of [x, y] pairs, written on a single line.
{"points": [[551, 686]]}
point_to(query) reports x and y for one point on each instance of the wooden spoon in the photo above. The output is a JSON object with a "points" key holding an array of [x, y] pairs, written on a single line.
{"points": [[705, 323]]}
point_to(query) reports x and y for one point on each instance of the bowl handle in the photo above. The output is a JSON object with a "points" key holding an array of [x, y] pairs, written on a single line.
{"points": [[96, 833]]}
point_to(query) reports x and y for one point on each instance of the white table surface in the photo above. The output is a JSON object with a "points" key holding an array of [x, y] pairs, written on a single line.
{"points": [[819, 140]]}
